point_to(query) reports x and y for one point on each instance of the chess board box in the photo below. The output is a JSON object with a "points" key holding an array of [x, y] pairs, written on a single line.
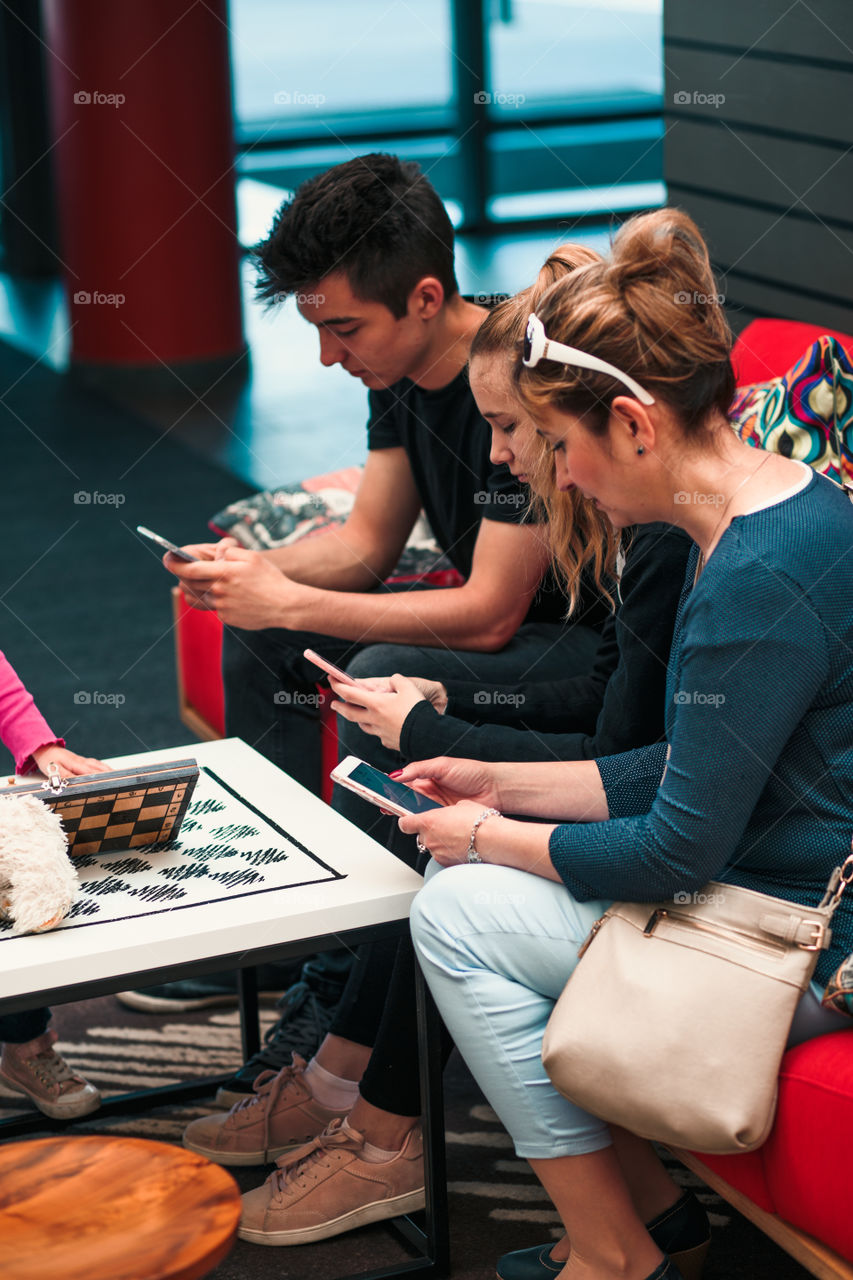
{"points": [[124, 809]]}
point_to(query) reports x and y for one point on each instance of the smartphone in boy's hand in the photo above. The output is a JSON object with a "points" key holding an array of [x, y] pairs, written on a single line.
{"points": [[165, 544]]}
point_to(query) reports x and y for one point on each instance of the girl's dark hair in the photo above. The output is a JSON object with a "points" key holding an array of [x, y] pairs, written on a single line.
{"points": [[376, 218], [652, 309]]}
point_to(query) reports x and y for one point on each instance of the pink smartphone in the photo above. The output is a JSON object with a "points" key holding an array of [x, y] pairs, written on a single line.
{"points": [[325, 665]]}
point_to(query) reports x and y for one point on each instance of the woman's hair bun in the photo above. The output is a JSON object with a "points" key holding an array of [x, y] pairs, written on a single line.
{"points": [[651, 308]]}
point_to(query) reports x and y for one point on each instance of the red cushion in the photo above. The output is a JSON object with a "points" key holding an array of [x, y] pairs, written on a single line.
{"points": [[807, 1158], [768, 348]]}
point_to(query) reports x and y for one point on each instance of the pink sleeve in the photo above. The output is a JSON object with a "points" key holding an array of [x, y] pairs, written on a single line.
{"points": [[22, 726]]}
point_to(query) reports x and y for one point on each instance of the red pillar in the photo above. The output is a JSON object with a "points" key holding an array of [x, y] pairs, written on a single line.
{"points": [[142, 122]]}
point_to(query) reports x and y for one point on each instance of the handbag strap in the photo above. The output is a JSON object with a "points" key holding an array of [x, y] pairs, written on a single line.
{"points": [[810, 934], [838, 882]]}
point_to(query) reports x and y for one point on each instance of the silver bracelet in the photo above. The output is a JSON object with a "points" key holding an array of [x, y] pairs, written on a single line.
{"points": [[471, 853]]}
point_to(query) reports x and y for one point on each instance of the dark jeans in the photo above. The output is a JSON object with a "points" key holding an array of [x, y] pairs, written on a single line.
{"points": [[380, 1012], [20, 1028]]}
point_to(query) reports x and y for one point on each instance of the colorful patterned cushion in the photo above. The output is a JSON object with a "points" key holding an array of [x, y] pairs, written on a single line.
{"points": [[277, 517], [807, 414]]}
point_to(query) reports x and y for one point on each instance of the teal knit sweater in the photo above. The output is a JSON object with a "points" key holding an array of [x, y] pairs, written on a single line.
{"points": [[759, 786]]}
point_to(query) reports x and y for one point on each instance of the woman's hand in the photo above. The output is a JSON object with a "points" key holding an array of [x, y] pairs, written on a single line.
{"points": [[449, 781], [68, 763], [379, 706], [444, 832]]}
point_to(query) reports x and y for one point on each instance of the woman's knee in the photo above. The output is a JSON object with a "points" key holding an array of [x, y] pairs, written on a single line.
{"points": [[463, 901]]}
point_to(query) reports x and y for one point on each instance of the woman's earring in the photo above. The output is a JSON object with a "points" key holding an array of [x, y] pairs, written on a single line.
{"points": [[641, 448]]}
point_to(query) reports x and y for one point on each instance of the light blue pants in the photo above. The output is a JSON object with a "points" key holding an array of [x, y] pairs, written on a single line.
{"points": [[497, 947]]}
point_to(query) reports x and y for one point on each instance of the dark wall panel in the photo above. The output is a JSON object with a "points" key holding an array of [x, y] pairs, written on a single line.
{"points": [[820, 30], [783, 248], [765, 92], [747, 298], [761, 169], [759, 105]]}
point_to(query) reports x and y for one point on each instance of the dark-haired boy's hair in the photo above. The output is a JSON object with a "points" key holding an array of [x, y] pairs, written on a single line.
{"points": [[375, 218]]}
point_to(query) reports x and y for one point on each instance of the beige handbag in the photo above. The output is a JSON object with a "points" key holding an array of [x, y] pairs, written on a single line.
{"points": [[674, 1023]]}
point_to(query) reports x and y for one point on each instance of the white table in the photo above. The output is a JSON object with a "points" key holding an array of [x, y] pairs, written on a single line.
{"points": [[303, 880]]}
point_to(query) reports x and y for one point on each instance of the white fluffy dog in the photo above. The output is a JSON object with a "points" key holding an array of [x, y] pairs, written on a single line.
{"points": [[38, 882]]}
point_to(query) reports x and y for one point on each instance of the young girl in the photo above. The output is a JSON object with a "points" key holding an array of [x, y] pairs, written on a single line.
{"points": [[29, 1064], [626, 369]]}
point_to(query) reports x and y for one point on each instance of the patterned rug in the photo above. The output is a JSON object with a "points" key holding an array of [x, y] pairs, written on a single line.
{"points": [[495, 1202]]}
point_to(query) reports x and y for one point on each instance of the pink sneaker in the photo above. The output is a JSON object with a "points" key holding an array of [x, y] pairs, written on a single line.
{"points": [[37, 1070], [281, 1114], [327, 1188]]}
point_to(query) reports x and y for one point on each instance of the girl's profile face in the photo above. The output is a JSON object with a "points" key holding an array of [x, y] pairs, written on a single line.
{"points": [[514, 439]]}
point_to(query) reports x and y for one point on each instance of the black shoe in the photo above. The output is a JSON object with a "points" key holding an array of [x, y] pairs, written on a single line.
{"points": [[666, 1271], [681, 1232], [305, 1020], [215, 990], [533, 1267]]}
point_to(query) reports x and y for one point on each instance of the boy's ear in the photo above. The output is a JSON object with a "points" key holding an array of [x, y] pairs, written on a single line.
{"points": [[426, 299]]}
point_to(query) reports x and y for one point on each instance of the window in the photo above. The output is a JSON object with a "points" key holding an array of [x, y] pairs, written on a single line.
{"points": [[519, 110]]}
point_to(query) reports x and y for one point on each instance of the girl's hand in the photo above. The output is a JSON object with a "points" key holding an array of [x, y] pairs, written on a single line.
{"points": [[450, 781], [444, 832], [433, 691], [68, 763], [380, 711]]}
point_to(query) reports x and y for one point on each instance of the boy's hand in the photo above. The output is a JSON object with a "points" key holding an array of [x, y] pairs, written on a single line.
{"points": [[244, 587]]}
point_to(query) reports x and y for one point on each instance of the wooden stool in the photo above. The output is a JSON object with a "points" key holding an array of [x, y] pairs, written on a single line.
{"points": [[105, 1208]]}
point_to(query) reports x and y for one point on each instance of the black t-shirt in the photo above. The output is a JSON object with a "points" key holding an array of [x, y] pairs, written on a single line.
{"points": [[447, 442]]}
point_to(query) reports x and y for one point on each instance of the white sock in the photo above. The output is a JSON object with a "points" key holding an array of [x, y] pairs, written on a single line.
{"points": [[330, 1091], [371, 1154]]}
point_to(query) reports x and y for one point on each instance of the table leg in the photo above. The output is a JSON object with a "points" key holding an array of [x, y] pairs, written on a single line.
{"points": [[247, 990], [432, 1095]]}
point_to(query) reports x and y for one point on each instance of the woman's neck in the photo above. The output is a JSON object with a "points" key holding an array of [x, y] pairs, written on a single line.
{"points": [[716, 485]]}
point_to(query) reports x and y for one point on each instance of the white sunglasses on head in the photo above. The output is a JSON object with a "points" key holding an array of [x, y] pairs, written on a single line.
{"points": [[538, 346]]}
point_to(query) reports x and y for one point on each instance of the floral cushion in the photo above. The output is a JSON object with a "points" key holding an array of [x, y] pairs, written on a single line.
{"points": [[278, 517], [806, 414]]}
